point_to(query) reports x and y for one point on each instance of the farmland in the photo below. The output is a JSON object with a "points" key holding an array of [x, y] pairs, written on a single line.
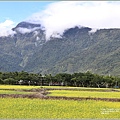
{"points": [[93, 94], [35, 108], [13, 92], [51, 107], [17, 87]]}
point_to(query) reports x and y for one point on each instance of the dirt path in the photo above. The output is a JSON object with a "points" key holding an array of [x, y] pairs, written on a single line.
{"points": [[42, 94]]}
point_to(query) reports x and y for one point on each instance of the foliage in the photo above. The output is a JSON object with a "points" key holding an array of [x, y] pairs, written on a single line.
{"points": [[86, 79]]}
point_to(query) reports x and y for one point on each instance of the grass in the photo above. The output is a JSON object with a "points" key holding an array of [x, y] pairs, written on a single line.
{"points": [[51, 87], [79, 88], [14, 92], [51, 109], [92, 94], [18, 87]]}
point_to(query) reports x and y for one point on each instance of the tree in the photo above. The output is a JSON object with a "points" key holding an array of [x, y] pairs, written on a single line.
{"points": [[1, 81], [49, 79], [9, 81], [107, 81], [98, 80]]}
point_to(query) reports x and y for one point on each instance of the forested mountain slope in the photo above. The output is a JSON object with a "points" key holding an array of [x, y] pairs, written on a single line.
{"points": [[77, 50]]}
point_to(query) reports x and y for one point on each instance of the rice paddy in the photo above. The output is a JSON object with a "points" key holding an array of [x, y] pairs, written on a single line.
{"points": [[51, 109], [4, 87], [53, 87], [37, 108], [92, 94], [14, 92]]}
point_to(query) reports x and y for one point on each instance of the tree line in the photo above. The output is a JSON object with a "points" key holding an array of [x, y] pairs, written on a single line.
{"points": [[80, 79]]}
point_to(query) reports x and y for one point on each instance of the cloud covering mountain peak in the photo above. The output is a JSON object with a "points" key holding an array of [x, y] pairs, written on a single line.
{"points": [[27, 27], [61, 15]]}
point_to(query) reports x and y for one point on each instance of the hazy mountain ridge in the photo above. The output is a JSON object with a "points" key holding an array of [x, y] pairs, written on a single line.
{"points": [[77, 50]]}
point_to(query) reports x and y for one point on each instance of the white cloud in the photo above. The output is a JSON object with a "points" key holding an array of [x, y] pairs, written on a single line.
{"points": [[6, 23], [26, 30], [59, 16], [92, 31], [5, 28]]}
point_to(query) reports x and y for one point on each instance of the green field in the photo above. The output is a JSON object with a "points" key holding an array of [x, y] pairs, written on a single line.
{"points": [[53, 87], [2, 87], [59, 108], [92, 94], [37, 108], [14, 92]]}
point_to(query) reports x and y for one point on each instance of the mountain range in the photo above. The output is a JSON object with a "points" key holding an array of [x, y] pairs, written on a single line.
{"points": [[78, 49]]}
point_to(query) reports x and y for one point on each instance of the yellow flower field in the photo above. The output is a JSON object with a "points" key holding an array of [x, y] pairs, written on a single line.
{"points": [[37, 108], [18, 87], [93, 94], [11, 108], [14, 92]]}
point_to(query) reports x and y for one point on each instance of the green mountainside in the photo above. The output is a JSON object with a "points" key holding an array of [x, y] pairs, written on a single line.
{"points": [[78, 50]]}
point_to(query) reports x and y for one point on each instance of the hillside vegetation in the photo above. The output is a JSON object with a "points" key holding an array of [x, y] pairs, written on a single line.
{"points": [[78, 50]]}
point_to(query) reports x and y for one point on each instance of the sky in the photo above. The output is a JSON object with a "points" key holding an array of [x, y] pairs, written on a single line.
{"points": [[56, 16]]}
